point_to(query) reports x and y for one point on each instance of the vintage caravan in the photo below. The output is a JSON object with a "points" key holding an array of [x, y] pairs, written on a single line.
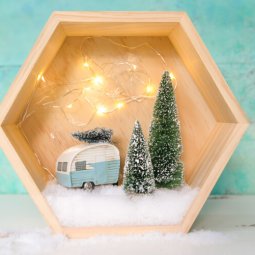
{"points": [[87, 165]]}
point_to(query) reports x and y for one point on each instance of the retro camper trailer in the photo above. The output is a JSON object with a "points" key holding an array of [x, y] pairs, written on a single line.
{"points": [[87, 165]]}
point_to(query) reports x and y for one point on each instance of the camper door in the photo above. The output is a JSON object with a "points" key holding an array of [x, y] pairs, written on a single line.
{"points": [[101, 174]]}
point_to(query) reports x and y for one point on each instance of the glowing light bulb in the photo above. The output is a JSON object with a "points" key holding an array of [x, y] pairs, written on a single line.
{"points": [[134, 67], [86, 64], [69, 106], [119, 105], [98, 80], [101, 110], [172, 76], [149, 89], [52, 136], [40, 77]]}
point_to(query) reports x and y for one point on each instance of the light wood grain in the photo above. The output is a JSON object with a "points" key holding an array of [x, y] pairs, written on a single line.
{"points": [[212, 122], [67, 65], [115, 230]]}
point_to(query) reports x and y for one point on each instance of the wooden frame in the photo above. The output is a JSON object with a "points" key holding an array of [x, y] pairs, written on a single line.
{"points": [[220, 110]]}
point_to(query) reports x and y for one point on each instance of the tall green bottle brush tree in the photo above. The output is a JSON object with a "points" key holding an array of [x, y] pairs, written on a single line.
{"points": [[165, 145]]}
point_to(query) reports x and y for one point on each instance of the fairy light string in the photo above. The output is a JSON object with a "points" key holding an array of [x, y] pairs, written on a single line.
{"points": [[96, 82], [97, 87]]}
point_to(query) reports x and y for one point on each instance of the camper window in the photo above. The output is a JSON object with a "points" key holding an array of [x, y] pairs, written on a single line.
{"points": [[59, 166], [80, 165], [64, 166]]}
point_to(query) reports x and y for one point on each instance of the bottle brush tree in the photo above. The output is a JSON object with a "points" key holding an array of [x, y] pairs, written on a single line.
{"points": [[165, 143], [96, 135], [138, 171]]}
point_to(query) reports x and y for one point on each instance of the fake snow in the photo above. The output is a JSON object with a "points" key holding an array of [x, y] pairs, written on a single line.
{"points": [[42, 242], [109, 205]]}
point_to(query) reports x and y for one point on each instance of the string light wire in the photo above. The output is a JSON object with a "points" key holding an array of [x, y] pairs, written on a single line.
{"points": [[121, 99]]}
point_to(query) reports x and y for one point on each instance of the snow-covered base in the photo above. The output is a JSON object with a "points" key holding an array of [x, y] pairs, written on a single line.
{"points": [[109, 205]]}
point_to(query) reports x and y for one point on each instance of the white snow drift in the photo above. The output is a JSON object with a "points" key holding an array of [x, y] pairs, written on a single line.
{"points": [[109, 205]]}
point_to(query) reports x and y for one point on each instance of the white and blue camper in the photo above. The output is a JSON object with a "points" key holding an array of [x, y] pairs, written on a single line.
{"points": [[87, 165]]}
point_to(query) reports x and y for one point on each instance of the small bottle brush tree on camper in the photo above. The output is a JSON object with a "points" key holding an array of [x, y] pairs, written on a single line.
{"points": [[138, 171], [96, 135], [165, 144]]}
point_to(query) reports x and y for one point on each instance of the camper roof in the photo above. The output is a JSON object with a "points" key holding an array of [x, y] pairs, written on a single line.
{"points": [[71, 152]]}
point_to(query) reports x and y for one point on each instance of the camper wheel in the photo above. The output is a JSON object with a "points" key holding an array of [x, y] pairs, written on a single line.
{"points": [[88, 186]]}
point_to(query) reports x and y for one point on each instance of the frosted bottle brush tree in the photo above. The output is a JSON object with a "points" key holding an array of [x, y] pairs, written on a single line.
{"points": [[165, 143], [96, 135], [138, 171]]}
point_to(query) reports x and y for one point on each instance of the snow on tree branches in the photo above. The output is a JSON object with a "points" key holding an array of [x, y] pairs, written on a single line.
{"points": [[138, 171], [165, 143], [97, 135]]}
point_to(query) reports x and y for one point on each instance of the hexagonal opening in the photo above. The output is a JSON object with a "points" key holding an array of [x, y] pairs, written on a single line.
{"points": [[211, 120]]}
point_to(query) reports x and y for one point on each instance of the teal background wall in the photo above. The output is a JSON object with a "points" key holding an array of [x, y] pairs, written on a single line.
{"points": [[227, 28]]}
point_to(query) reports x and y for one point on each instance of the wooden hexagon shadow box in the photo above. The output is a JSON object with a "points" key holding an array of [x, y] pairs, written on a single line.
{"points": [[212, 122]]}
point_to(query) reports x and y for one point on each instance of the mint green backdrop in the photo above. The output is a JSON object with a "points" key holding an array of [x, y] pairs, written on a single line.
{"points": [[226, 26]]}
